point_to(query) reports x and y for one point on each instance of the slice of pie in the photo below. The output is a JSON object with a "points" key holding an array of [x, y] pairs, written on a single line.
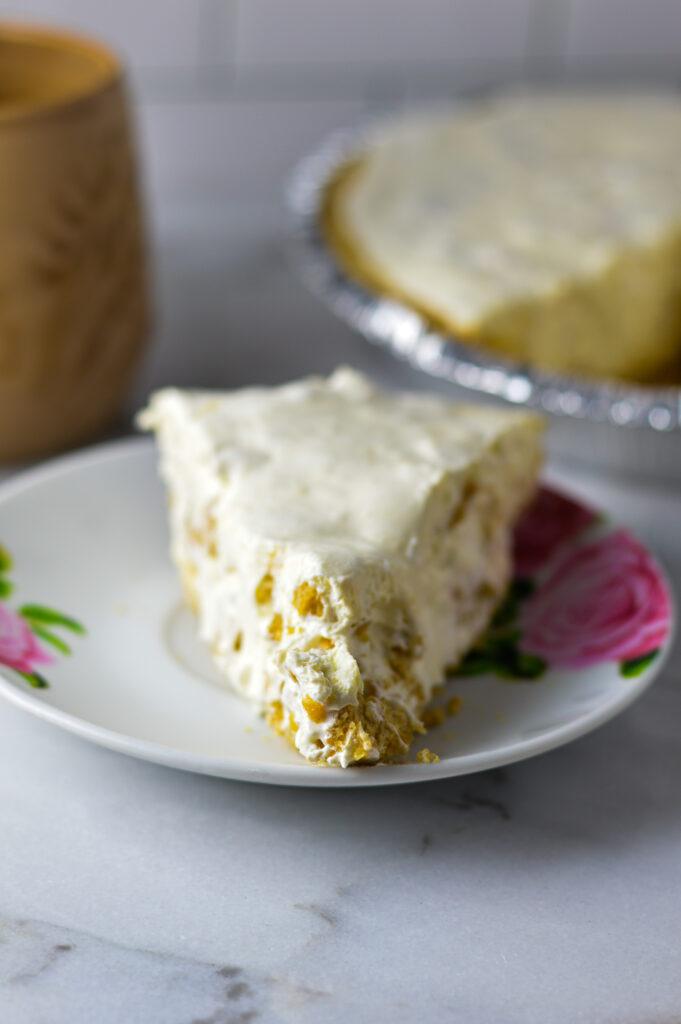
{"points": [[545, 227], [342, 546]]}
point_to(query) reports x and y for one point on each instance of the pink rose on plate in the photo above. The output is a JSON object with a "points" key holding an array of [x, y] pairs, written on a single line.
{"points": [[19, 649], [550, 520], [604, 601]]}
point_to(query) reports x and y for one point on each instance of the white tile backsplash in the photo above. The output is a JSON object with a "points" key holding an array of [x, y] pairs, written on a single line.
{"points": [[232, 92], [226, 147], [624, 29], [272, 32], [147, 34]]}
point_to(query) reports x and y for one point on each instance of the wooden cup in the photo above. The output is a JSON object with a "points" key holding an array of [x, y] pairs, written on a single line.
{"points": [[73, 292]]}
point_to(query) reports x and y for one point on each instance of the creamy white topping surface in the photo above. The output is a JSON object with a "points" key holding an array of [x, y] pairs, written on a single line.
{"points": [[336, 466], [473, 208]]}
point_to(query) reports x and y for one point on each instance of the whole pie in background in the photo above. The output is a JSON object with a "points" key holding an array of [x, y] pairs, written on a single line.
{"points": [[546, 228]]}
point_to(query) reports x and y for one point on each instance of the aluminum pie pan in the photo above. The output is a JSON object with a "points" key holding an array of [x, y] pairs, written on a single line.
{"points": [[631, 429]]}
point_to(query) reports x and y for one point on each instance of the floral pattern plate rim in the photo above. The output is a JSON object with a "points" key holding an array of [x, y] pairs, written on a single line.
{"points": [[584, 631]]}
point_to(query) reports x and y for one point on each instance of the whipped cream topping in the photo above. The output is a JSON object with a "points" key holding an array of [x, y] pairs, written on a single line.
{"points": [[471, 209]]}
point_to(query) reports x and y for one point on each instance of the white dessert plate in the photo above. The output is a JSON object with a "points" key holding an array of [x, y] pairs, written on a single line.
{"points": [[94, 636]]}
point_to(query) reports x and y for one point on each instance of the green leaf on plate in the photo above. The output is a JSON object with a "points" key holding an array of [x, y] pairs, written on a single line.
{"points": [[37, 613], [507, 612], [5, 559], [502, 659], [635, 666], [522, 587], [501, 643], [528, 666], [6, 588], [476, 663], [36, 680], [50, 638]]}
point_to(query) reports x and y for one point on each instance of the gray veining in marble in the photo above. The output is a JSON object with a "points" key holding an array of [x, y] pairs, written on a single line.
{"points": [[546, 892], [136, 893]]}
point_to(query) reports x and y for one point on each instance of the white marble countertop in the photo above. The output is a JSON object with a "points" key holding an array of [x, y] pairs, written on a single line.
{"points": [[546, 892]]}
